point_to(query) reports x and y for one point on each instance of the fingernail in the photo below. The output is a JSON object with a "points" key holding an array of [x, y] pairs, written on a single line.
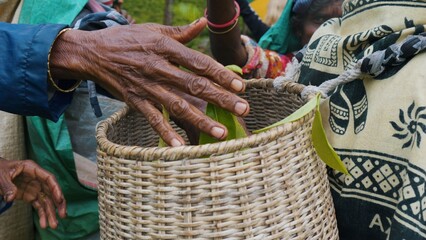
{"points": [[217, 132], [237, 85], [195, 22], [240, 108], [176, 143]]}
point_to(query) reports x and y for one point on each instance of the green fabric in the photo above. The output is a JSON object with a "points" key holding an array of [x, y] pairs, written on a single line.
{"points": [[49, 143], [50, 146], [50, 11], [279, 37]]}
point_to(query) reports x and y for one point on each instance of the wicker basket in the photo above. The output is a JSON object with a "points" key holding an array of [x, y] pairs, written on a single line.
{"points": [[271, 185]]}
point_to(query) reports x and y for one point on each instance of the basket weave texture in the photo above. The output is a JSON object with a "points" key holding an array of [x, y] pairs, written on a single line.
{"points": [[270, 185]]}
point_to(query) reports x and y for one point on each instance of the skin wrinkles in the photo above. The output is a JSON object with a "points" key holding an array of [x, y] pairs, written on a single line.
{"points": [[154, 119], [178, 107], [222, 98], [162, 127], [215, 71], [25, 180], [197, 86], [203, 124], [194, 85], [140, 69]]}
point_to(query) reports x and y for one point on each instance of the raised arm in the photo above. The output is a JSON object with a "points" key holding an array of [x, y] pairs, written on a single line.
{"points": [[225, 34]]}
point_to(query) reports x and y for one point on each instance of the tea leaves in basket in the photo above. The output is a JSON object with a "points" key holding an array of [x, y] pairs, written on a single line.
{"points": [[235, 130]]}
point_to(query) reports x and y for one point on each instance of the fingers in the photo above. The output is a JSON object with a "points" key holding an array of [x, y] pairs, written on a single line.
{"points": [[41, 214], [201, 64], [46, 211], [180, 108], [182, 34], [202, 88], [157, 121], [47, 180], [49, 209], [62, 208], [48, 184], [31, 180], [7, 187], [54, 193]]}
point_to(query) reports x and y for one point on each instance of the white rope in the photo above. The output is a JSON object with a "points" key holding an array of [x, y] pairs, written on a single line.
{"points": [[292, 73], [330, 85]]}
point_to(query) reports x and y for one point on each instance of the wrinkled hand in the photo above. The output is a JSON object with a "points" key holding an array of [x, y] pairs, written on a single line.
{"points": [[25, 180], [139, 64]]}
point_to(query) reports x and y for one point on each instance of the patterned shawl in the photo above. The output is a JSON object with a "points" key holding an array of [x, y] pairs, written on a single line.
{"points": [[376, 123]]}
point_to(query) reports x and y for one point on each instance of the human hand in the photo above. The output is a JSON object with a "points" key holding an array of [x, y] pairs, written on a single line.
{"points": [[25, 180], [192, 133], [139, 64]]}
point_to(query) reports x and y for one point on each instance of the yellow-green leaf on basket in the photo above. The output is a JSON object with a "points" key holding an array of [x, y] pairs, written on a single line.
{"points": [[323, 148], [161, 142], [299, 113]]}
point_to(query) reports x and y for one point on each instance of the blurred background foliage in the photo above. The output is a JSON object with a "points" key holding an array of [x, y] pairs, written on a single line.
{"points": [[183, 12]]}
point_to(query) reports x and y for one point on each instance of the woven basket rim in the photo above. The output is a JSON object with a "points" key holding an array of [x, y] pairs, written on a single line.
{"points": [[188, 151]]}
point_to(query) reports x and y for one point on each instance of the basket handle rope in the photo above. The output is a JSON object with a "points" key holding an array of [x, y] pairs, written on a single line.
{"points": [[373, 65], [330, 85]]}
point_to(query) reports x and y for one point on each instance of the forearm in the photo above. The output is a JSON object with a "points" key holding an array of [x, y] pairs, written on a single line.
{"points": [[226, 47]]}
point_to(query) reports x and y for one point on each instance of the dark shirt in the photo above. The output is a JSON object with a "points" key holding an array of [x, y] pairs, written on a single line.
{"points": [[252, 20]]}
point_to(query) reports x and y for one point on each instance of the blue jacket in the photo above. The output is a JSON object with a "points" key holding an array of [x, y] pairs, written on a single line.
{"points": [[4, 205], [23, 71]]}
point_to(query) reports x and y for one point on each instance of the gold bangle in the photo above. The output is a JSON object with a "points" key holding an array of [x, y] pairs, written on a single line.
{"points": [[49, 75], [226, 31]]}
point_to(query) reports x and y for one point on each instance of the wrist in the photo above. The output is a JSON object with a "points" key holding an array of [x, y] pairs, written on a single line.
{"points": [[221, 13], [67, 56]]}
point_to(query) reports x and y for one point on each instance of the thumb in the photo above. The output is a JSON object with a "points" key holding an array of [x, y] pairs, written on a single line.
{"points": [[7, 187], [183, 34]]}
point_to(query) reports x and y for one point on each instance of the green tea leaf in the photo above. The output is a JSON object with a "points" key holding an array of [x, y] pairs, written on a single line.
{"points": [[323, 148], [235, 69], [299, 113], [235, 130]]}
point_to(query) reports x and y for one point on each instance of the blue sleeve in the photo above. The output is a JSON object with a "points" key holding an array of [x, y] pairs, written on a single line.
{"points": [[4, 205], [23, 71]]}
